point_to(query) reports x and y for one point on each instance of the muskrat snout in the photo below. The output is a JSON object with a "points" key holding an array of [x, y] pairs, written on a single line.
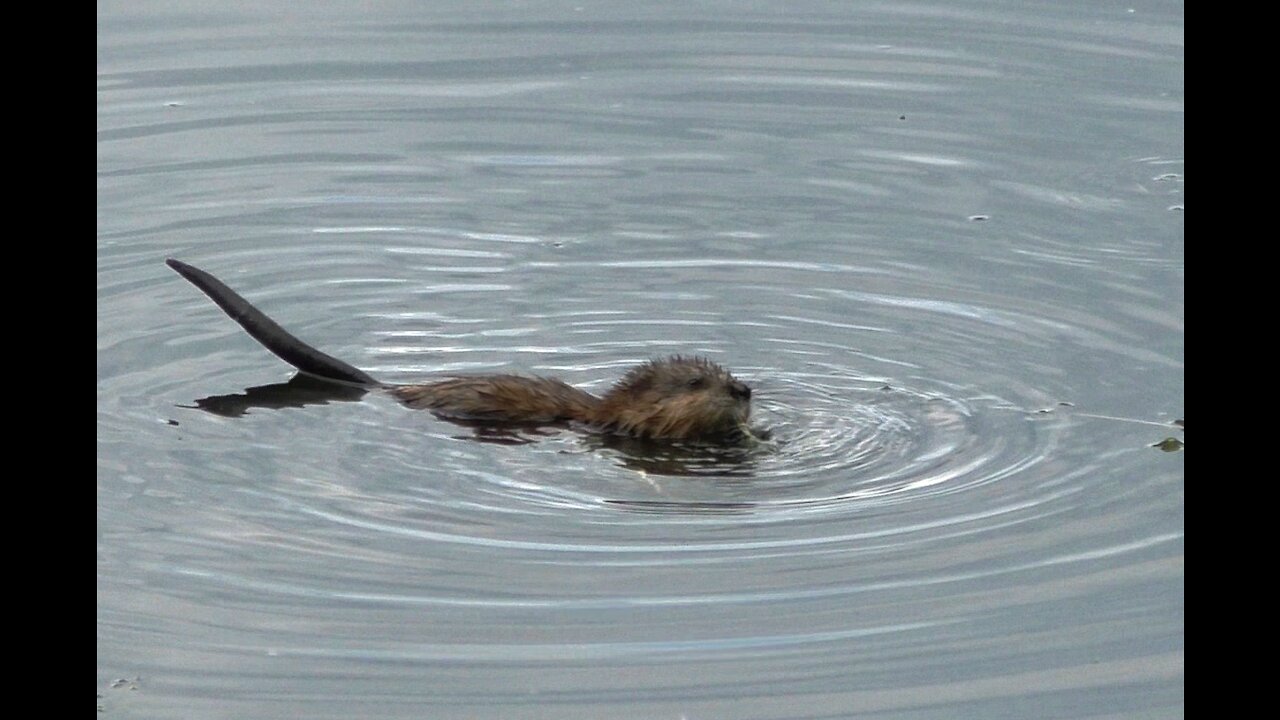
{"points": [[739, 390]]}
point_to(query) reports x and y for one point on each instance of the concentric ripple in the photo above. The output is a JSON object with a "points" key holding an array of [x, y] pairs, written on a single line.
{"points": [[942, 244]]}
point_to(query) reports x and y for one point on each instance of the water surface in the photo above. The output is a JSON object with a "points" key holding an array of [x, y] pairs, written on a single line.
{"points": [[942, 242]]}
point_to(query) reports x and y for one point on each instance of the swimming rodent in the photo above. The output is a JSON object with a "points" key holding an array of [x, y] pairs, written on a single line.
{"points": [[678, 398]]}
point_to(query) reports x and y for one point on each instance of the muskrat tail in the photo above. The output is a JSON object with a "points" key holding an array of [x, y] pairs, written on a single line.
{"points": [[265, 330]]}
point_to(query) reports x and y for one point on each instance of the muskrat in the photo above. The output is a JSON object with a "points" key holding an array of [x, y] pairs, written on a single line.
{"points": [[678, 398]]}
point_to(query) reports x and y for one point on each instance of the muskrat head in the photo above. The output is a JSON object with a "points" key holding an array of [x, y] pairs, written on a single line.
{"points": [[677, 398]]}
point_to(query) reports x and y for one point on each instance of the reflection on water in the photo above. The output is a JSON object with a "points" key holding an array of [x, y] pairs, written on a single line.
{"points": [[737, 458], [301, 391], [957, 507]]}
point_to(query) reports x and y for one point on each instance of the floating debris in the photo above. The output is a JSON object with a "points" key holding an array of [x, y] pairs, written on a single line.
{"points": [[1169, 445], [126, 682]]}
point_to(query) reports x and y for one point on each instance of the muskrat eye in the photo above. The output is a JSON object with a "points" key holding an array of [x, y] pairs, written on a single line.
{"points": [[697, 383]]}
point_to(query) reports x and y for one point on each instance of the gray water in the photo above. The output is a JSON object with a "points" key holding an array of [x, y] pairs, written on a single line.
{"points": [[943, 243]]}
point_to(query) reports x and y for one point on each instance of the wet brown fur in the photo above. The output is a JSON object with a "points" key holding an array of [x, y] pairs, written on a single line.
{"points": [[677, 398]]}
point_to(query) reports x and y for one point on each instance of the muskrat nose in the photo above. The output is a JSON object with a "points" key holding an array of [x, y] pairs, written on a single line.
{"points": [[739, 390]]}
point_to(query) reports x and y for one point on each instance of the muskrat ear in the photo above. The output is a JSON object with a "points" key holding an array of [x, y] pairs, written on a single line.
{"points": [[697, 383]]}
